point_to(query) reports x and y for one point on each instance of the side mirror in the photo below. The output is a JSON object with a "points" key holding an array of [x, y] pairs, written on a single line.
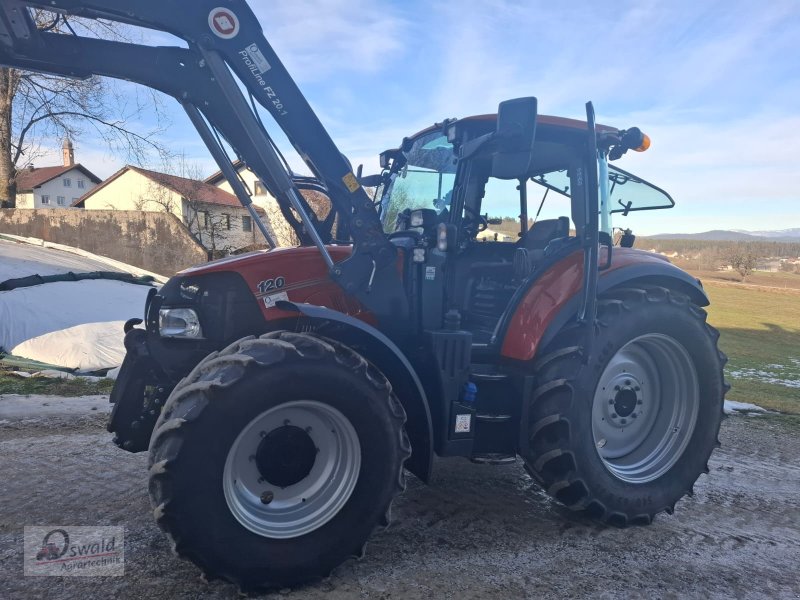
{"points": [[516, 131], [371, 181]]}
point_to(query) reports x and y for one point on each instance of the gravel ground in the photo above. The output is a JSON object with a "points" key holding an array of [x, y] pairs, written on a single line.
{"points": [[475, 532]]}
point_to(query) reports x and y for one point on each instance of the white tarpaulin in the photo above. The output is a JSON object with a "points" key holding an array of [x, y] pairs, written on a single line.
{"points": [[30, 312], [72, 324], [87, 347]]}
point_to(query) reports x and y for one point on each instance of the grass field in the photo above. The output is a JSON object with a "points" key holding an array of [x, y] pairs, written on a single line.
{"points": [[760, 330], [11, 384], [760, 278]]}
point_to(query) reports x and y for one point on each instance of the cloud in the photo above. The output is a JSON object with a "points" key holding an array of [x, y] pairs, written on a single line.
{"points": [[322, 39]]}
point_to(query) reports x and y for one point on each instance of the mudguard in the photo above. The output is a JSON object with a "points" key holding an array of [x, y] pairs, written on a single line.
{"points": [[387, 357], [553, 297]]}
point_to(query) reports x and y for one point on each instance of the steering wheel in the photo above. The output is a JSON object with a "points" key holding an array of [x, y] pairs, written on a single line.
{"points": [[412, 233], [478, 219]]}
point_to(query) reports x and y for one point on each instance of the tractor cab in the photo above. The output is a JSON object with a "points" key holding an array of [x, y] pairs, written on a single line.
{"points": [[474, 231]]}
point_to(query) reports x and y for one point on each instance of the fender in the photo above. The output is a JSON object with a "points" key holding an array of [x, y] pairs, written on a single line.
{"points": [[552, 298], [387, 357]]}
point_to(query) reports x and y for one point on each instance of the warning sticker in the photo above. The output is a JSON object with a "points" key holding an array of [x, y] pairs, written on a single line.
{"points": [[223, 23], [351, 182], [463, 423], [430, 273]]}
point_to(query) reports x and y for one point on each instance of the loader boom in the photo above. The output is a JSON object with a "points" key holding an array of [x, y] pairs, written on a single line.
{"points": [[225, 44]]}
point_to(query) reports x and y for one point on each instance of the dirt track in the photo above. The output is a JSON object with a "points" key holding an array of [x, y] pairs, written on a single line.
{"points": [[476, 532]]}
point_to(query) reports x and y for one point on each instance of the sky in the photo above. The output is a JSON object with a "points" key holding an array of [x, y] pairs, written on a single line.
{"points": [[714, 83]]}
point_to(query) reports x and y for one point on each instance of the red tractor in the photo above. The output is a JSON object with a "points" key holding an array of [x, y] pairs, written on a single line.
{"points": [[282, 393]]}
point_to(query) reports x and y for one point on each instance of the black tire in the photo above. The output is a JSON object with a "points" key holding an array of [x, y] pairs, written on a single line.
{"points": [[563, 455], [205, 414]]}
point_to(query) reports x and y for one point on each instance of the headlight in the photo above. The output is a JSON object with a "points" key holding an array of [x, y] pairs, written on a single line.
{"points": [[179, 322]]}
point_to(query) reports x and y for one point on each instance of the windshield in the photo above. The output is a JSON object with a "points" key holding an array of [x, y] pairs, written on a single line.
{"points": [[426, 181], [628, 193]]}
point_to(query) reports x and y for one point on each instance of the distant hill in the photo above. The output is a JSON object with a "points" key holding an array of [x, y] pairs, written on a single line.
{"points": [[793, 233], [724, 235]]}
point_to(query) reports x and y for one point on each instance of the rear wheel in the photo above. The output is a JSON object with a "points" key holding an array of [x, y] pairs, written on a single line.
{"points": [[627, 435], [274, 460]]}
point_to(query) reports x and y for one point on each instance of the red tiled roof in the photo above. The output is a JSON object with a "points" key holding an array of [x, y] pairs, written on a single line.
{"points": [[217, 177], [191, 189], [28, 179]]}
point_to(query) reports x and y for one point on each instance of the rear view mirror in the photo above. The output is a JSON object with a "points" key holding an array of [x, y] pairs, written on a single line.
{"points": [[516, 131], [371, 181]]}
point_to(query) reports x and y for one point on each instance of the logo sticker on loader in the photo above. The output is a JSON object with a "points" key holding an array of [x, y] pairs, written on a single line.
{"points": [[223, 23]]}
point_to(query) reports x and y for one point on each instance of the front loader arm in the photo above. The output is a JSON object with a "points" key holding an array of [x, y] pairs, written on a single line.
{"points": [[224, 39]]}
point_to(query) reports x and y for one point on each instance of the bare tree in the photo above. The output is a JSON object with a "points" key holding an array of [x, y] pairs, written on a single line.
{"points": [[211, 228], [743, 260], [35, 106]]}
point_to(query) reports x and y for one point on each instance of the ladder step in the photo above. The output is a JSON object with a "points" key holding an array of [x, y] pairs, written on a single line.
{"points": [[484, 418], [478, 376], [494, 458]]}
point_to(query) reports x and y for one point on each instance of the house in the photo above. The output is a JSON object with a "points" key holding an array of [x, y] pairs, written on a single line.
{"points": [[280, 229], [54, 187], [261, 197], [212, 215]]}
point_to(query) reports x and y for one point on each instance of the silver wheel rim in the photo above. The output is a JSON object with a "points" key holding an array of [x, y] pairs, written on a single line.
{"points": [[259, 486], [645, 408]]}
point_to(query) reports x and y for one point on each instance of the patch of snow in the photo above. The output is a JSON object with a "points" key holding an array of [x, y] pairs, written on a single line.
{"points": [[22, 374], [732, 407], [24, 260], [55, 256], [14, 407], [765, 377], [53, 374]]}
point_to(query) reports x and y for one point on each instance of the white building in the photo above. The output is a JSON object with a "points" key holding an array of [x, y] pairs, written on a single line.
{"points": [[212, 215], [280, 229], [54, 187]]}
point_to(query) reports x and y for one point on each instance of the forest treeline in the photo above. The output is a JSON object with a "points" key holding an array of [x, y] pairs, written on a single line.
{"points": [[688, 246], [742, 257]]}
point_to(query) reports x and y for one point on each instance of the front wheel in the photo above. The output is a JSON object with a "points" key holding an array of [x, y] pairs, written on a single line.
{"points": [[274, 460], [626, 435]]}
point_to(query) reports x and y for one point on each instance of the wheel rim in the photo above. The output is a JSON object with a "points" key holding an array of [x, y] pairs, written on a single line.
{"points": [[292, 469], [645, 408]]}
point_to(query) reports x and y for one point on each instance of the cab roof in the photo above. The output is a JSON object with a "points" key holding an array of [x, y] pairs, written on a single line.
{"points": [[548, 120]]}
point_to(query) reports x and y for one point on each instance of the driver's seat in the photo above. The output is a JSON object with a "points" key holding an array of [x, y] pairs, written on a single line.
{"points": [[530, 249], [544, 232]]}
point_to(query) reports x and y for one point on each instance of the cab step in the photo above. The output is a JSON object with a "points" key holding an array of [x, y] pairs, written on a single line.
{"points": [[494, 458], [486, 418]]}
